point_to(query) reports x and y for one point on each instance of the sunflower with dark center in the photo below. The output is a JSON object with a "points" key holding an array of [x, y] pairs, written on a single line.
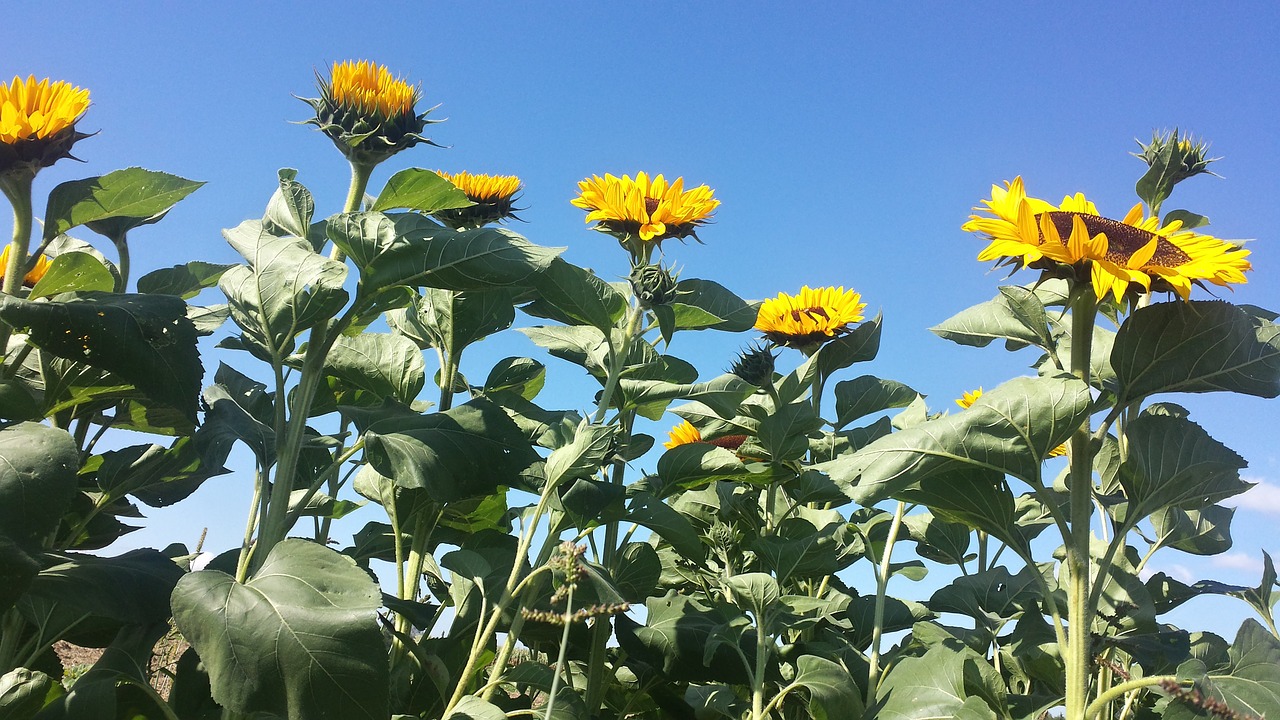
{"points": [[811, 318], [494, 197], [645, 209], [1116, 256], [685, 433], [368, 113], [38, 123]]}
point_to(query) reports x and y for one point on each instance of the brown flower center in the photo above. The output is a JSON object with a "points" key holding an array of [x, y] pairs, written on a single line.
{"points": [[798, 315], [651, 205], [1122, 240]]}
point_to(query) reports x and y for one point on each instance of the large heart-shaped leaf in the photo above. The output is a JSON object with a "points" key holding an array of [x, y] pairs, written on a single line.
{"points": [[1008, 431], [1016, 316], [425, 256], [421, 190], [286, 289], [1173, 462], [114, 203], [576, 296], [384, 364], [1249, 684], [1196, 346], [300, 639], [37, 480], [146, 339]]}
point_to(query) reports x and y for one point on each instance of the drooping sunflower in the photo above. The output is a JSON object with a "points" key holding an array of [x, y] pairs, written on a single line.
{"points": [[1113, 254], [368, 112], [811, 318], [651, 210], [494, 197], [971, 397], [37, 123], [35, 274]]}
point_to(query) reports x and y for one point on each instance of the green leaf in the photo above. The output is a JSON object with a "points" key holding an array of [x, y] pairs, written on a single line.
{"points": [[1203, 531], [421, 190], [185, 281], [678, 633], [114, 203], [23, 692], [938, 540], [1173, 462], [156, 475], [363, 236], [703, 304], [145, 339], [291, 206], [860, 345], [1017, 316], [991, 597], [833, 694], [38, 467], [300, 639], [583, 457], [1009, 430], [74, 272], [868, 394], [457, 260], [569, 705], [473, 708], [645, 509], [1157, 182], [288, 288], [384, 364], [636, 571], [929, 687], [757, 592], [521, 375], [581, 345], [799, 549], [452, 320], [1249, 684], [784, 433], [576, 296], [1190, 220], [1196, 346], [466, 451], [722, 394], [694, 465]]}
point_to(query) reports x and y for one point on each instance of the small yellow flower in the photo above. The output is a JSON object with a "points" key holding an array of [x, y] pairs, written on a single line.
{"points": [[368, 112], [652, 210], [1114, 254], [41, 267], [682, 434], [970, 398], [494, 197], [37, 123], [811, 318]]}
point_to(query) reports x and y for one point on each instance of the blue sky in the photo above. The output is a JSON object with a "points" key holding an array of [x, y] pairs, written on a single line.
{"points": [[847, 142]]}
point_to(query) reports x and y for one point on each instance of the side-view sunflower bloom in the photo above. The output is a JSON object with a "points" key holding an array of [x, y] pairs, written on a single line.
{"points": [[811, 318], [1114, 255], [38, 123], [646, 209], [369, 113], [34, 275], [685, 433], [494, 197], [971, 397]]}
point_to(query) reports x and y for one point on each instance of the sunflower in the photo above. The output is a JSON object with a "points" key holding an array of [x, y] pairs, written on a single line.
{"points": [[493, 196], [811, 318], [368, 113], [970, 398], [651, 209], [37, 123], [1116, 254], [41, 267], [685, 433]]}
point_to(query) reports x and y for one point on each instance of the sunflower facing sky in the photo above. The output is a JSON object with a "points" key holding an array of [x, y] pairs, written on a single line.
{"points": [[368, 112], [651, 209], [493, 196], [810, 318], [1030, 232], [37, 122]]}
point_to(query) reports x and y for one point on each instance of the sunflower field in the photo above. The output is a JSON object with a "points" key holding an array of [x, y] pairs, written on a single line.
{"points": [[541, 556]]}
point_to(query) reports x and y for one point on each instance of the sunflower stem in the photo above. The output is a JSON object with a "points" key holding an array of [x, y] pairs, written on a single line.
{"points": [[17, 188], [1080, 485], [122, 248], [882, 587]]}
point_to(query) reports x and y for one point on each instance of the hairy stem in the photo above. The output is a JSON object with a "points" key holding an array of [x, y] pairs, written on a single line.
{"points": [[882, 585], [1080, 486]]}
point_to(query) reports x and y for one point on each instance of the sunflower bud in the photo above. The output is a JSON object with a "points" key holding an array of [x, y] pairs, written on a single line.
{"points": [[494, 197], [367, 112], [37, 123], [1170, 159], [654, 285], [755, 365]]}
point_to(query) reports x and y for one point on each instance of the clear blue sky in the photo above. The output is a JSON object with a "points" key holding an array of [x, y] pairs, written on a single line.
{"points": [[847, 142]]}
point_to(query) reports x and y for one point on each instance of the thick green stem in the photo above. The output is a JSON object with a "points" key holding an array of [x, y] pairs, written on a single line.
{"points": [[1120, 690], [122, 249], [882, 585], [448, 369], [757, 678], [17, 188], [1080, 486]]}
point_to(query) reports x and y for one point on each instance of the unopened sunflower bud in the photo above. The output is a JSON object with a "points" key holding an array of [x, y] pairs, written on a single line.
{"points": [[494, 197], [367, 112], [654, 285], [755, 365], [1188, 155]]}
